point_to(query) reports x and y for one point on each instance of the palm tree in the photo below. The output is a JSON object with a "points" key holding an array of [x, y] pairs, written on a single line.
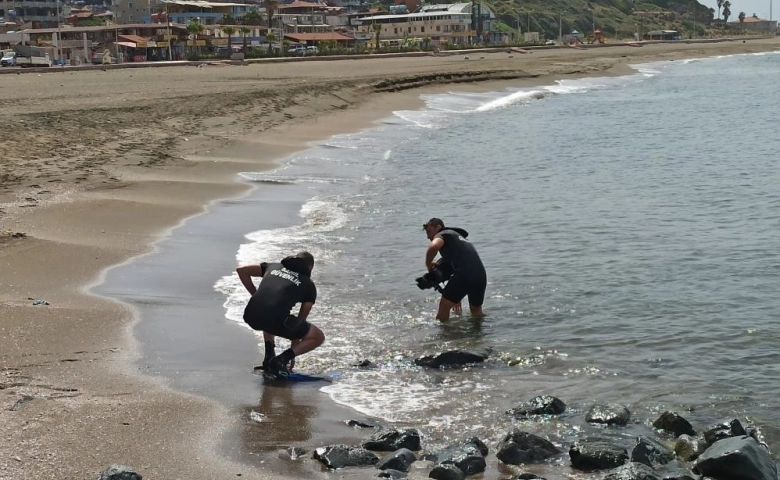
{"points": [[245, 31], [229, 31], [227, 19], [270, 9], [720, 5], [195, 28], [377, 30], [741, 21], [726, 11]]}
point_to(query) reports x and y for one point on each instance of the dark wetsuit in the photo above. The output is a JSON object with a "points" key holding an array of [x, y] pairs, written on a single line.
{"points": [[469, 277], [279, 291]]}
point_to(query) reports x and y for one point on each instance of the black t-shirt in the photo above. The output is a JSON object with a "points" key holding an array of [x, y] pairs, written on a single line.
{"points": [[280, 290], [460, 252]]}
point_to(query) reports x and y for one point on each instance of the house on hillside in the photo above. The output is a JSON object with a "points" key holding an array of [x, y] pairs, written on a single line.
{"points": [[755, 25]]}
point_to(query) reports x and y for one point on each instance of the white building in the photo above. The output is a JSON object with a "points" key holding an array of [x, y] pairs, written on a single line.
{"points": [[448, 23]]}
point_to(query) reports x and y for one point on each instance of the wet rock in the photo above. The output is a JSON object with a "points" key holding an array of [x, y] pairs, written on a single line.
{"points": [[519, 447], [679, 477], [597, 454], [340, 456], [447, 471], [688, 448], [527, 476], [453, 358], [736, 458], [390, 473], [467, 456], [120, 472], [651, 453], [401, 460], [632, 471], [674, 424], [18, 404], [390, 440], [541, 405], [359, 424], [608, 414], [364, 364], [724, 430], [296, 452]]}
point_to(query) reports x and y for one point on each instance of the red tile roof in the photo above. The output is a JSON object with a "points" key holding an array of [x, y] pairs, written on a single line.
{"points": [[301, 4]]}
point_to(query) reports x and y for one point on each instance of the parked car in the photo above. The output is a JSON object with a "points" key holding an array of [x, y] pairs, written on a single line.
{"points": [[303, 50], [550, 42], [8, 60]]}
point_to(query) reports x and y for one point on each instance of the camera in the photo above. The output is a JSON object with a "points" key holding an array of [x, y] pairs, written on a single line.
{"points": [[440, 273]]}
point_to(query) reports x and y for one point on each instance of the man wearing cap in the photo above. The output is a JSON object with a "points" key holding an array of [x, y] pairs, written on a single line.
{"points": [[284, 285], [469, 277]]}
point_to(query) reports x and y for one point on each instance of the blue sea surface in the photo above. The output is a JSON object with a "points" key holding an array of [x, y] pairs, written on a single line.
{"points": [[629, 226]]}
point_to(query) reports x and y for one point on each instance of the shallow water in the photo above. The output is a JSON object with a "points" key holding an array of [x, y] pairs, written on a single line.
{"points": [[627, 225]]}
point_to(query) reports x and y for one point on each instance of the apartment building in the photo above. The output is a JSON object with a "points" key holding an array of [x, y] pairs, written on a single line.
{"points": [[40, 13], [443, 23]]}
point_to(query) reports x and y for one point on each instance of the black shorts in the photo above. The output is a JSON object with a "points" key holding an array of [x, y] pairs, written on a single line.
{"points": [[462, 284], [289, 327]]}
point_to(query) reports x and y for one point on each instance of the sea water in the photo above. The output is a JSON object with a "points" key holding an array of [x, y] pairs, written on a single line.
{"points": [[629, 227]]}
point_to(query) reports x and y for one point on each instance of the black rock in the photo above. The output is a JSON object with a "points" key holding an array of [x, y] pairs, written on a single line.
{"points": [[608, 413], [632, 471], [447, 471], [650, 453], [724, 430], [541, 405], [340, 456], [390, 440], [736, 458], [453, 358], [401, 460], [597, 454], [359, 424], [519, 447], [296, 452], [527, 476], [390, 473], [674, 423], [120, 472], [466, 456]]}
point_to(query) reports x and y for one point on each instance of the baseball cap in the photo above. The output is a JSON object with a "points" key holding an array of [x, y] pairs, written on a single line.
{"points": [[433, 221]]}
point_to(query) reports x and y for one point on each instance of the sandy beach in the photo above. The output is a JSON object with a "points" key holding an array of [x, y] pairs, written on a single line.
{"points": [[98, 166]]}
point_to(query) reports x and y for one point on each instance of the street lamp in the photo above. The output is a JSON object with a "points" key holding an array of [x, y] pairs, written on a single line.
{"points": [[59, 35]]}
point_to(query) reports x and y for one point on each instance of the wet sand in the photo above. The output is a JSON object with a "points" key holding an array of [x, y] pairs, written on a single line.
{"points": [[101, 167]]}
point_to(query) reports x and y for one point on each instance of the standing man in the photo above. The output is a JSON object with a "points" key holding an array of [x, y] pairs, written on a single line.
{"points": [[283, 286], [469, 277]]}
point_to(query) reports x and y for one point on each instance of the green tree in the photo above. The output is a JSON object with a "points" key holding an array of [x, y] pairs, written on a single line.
{"points": [[227, 19], [252, 17], [244, 32], [741, 21], [720, 5], [726, 11], [229, 31]]}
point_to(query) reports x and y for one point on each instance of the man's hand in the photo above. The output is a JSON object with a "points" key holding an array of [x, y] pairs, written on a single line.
{"points": [[457, 308]]}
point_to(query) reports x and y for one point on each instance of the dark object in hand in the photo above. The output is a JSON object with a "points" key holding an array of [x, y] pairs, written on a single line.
{"points": [[440, 273]]}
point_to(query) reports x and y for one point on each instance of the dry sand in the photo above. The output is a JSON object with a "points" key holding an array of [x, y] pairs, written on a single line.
{"points": [[97, 166]]}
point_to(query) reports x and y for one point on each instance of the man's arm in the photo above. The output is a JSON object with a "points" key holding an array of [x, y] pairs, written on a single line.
{"points": [[246, 273], [433, 249], [304, 311]]}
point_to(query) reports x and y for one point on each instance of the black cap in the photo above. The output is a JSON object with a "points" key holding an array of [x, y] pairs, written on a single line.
{"points": [[434, 221]]}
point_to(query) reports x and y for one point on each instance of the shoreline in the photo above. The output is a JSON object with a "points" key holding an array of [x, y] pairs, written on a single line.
{"points": [[82, 376]]}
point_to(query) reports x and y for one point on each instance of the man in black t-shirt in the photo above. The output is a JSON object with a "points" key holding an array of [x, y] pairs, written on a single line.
{"points": [[283, 286], [469, 277]]}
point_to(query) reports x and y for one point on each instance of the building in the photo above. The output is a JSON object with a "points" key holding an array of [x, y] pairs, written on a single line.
{"points": [[662, 35], [40, 13], [454, 24], [755, 25], [179, 11]]}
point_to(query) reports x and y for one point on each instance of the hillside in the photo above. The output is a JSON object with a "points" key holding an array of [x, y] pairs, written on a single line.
{"points": [[621, 17]]}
